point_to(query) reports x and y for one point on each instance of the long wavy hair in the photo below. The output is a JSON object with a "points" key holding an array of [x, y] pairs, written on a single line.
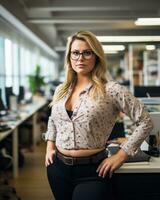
{"points": [[98, 74]]}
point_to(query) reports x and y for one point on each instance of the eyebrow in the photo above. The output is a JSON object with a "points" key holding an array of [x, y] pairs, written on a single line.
{"points": [[83, 50]]}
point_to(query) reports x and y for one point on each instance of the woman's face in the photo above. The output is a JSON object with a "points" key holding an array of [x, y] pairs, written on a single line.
{"points": [[82, 57]]}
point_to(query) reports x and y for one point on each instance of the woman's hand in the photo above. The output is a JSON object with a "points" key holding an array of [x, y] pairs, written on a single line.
{"points": [[49, 157], [50, 153], [109, 165]]}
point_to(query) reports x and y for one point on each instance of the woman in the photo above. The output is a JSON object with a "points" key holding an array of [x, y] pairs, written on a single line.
{"points": [[84, 111]]}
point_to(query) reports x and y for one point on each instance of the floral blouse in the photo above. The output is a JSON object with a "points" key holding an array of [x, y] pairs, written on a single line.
{"points": [[92, 121]]}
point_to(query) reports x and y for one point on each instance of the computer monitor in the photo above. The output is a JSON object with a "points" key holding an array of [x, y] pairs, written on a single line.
{"points": [[2, 107], [147, 91], [155, 116], [8, 93], [21, 93]]}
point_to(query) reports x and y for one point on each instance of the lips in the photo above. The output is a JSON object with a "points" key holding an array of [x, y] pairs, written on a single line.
{"points": [[80, 65]]}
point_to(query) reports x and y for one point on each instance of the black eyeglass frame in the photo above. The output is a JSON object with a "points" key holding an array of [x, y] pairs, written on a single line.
{"points": [[82, 53]]}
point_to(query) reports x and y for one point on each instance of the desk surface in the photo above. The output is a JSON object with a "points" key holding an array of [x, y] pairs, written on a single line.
{"points": [[153, 166], [25, 111]]}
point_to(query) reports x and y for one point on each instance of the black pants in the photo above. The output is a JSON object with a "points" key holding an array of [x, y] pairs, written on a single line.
{"points": [[78, 182]]}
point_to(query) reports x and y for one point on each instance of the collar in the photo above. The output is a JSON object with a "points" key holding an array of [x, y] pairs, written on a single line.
{"points": [[86, 89]]}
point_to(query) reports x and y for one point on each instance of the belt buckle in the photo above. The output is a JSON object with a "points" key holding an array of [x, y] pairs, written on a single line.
{"points": [[71, 161]]}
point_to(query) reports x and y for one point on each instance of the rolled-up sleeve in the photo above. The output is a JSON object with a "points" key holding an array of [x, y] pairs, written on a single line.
{"points": [[138, 113], [50, 134]]}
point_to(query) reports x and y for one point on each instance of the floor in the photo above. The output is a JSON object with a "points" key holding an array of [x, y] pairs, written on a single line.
{"points": [[32, 183]]}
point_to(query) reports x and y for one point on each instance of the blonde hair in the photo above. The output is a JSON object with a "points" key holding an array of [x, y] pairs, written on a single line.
{"points": [[98, 74]]}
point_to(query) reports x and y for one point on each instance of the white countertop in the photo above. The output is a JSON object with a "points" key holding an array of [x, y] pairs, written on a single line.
{"points": [[153, 166]]}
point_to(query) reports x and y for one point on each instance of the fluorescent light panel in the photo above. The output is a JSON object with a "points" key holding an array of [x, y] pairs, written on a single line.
{"points": [[108, 48], [110, 52], [148, 22], [128, 38], [150, 47]]}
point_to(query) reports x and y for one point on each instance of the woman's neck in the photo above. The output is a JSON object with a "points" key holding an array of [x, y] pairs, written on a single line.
{"points": [[82, 81]]}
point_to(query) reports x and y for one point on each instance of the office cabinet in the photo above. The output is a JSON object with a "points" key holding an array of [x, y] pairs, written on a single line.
{"points": [[139, 186]]}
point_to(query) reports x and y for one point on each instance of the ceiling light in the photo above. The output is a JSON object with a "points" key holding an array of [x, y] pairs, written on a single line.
{"points": [[150, 47], [108, 48], [128, 38], [110, 52], [148, 22]]}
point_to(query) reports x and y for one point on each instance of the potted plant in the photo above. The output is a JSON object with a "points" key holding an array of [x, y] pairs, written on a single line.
{"points": [[36, 81]]}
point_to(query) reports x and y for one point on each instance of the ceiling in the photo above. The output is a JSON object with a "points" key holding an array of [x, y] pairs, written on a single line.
{"points": [[57, 19]]}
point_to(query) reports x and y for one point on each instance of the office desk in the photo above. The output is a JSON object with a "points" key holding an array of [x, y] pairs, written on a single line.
{"points": [[140, 181], [153, 166], [26, 111]]}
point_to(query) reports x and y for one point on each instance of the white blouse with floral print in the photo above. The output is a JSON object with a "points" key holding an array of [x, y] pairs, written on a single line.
{"points": [[92, 121]]}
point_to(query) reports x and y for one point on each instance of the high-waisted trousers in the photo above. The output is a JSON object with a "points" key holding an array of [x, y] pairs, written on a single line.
{"points": [[78, 182]]}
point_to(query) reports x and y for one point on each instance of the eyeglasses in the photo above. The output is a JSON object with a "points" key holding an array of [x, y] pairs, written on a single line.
{"points": [[87, 54]]}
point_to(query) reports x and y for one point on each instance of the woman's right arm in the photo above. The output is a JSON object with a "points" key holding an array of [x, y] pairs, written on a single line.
{"points": [[50, 138], [50, 153]]}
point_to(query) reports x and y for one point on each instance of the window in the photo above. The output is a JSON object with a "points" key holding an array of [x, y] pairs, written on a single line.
{"points": [[8, 62], [15, 68], [19, 57], [2, 68]]}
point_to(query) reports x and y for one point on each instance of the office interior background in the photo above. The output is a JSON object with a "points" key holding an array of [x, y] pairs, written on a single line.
{"points": [[33, 36]]}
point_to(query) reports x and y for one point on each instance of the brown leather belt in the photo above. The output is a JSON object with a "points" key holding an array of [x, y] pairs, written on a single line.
{"points": [[82, 160]]}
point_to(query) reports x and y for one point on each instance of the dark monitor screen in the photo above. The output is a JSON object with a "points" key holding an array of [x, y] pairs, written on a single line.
{"points": [[146, 91], [8, 92], [21, 93], [2, 107]]}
